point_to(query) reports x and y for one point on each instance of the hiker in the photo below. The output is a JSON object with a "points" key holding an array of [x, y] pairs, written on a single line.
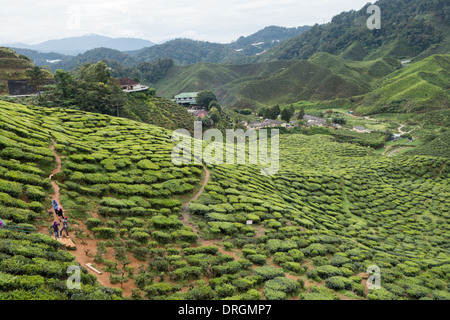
{"points": [[64, 227], [55, 228], [60, 213], [2, 225], [55, 206]]}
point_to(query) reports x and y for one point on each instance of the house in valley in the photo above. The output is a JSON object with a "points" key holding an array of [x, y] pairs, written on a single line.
{"points": [[186, 99], [129, 85]]}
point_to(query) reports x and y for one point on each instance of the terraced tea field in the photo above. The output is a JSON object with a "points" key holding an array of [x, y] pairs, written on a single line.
{"points": [[333, 210]]}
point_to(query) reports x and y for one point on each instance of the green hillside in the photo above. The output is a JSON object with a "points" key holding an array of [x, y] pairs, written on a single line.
{"points": [[323, 76], [204, 75], [408, 29], [185, 52], [158, 111], [13, 67], [420, 87], [333, 210]]}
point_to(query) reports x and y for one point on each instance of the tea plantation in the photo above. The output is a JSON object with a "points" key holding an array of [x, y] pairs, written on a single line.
{"points": [[333, 210]]}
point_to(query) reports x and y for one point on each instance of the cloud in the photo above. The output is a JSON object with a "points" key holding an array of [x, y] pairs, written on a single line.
{"points": [[158, 20]]}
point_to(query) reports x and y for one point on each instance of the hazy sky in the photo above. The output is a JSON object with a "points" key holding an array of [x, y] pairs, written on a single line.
{"points": [[32, 21]]}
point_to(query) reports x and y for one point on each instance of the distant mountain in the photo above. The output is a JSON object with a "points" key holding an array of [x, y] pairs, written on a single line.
{"points": [[42, 58], [76, 45], [186, 52], [243, 50], [409, 28], [93, 56], [265, 39]]}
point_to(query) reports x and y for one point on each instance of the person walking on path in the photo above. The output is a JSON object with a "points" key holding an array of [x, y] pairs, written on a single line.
{"points": [[55, 227], [64, 222], [55, 206], [60, 213]]}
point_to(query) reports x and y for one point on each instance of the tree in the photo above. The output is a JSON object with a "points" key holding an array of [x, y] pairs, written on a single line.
{"points": [[37, 78], [287, 114], [276, 111], [64, 83], [301, 113], [272, 113], [214, 104], [205, 97], [214, 115], [117, 98], [261, 111], [267, 114], [98, 72]]}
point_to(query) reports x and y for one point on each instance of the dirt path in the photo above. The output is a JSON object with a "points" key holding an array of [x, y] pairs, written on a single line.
{"points": [[185, 214], [86, 248], [56, 195]]}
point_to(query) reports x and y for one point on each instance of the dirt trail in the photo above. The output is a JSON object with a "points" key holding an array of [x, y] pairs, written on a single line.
{"points": [[185, 214], [86, 247], [56, 195]]}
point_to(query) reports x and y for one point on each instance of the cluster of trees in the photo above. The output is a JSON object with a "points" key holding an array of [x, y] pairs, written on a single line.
{"points": [[208, 100], [273, 112], [91, 88], [269, 113]]}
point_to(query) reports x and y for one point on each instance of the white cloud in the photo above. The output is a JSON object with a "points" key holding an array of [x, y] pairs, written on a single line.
{"points": [[212, 20]]}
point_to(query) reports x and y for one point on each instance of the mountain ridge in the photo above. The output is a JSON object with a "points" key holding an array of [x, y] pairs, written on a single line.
{"points": [[81, 44]]}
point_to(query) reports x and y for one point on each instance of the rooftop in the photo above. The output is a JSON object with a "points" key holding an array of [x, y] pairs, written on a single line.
{"points": [[186, 95], [128, 82]]}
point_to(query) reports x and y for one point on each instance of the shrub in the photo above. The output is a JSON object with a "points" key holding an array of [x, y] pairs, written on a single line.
{"points": [[267, 272], [162, 222], [225, 290], [141, 237], [270, 294], [185, 273], [328, 271], [227, 268], [187, 236], [281, 257], [162, 237], [319, 293], [338, 283], [281, 284], [105, 233], [202, 249], [276, 245], [12, 188], [293, 267], [381, 294], [158, 289], [93, 223], [257, 258]]}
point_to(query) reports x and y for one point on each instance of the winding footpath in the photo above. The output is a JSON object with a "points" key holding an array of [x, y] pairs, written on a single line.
{"points": [[83, 249], [185, 214], [401, 148]]}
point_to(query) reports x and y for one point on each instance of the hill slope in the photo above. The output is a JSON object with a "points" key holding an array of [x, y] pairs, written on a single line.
{"points": [[323, 76], [333, 210], [421, 86], [14, 67], [408, 29]]}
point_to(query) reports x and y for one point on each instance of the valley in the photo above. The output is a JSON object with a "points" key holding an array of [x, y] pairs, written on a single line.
{"points": [[358, 123]]}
